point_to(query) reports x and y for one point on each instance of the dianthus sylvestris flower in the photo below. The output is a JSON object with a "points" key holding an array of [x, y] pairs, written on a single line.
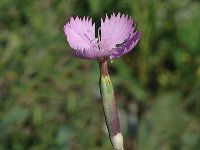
{"points": [[116, 37]]}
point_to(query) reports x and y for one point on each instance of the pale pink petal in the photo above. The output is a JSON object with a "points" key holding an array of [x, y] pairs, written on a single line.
{"points": [[115, 30], [91, 54], [80, 34], [127, 46]]}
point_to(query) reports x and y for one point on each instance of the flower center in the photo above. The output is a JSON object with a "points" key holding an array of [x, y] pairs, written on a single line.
{"points": [[94, 42]]}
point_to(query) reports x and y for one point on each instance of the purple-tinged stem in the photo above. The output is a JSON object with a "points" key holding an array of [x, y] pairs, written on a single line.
{"points": [[109, 106]]}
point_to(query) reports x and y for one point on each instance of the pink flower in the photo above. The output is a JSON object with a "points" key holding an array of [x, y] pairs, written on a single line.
{"points": [[116, 37]]}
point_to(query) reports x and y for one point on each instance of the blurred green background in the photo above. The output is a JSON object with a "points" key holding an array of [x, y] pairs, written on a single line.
{"points": [[50, 100]]}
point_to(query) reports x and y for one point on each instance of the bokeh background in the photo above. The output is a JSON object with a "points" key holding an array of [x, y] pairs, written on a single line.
{"points": [[50, 100]]}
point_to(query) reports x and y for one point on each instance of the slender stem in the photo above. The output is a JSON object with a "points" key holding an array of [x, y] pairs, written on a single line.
{"points": [[103, 66], [109, 106]]}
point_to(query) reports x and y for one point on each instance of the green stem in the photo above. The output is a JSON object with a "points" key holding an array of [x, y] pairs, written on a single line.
{"points": [[109, 106]]}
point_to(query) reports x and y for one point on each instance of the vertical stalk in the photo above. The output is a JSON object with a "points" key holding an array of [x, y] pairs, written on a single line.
{"points": [[109, 106]]}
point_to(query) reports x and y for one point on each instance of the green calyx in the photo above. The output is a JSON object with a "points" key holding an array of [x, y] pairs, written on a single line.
{"points": [[107, 92], [109, 105]]}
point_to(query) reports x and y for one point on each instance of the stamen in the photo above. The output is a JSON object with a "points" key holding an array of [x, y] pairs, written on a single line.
{"points": [[88, 38], [99, 33], [90, 32], [99, 39], [111, 59], [94, 44], [92, 41]]}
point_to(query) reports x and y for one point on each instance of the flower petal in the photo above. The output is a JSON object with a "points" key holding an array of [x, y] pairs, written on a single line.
{"points": [[127, 46], [115, 30], [91, 54], [80, 34]]}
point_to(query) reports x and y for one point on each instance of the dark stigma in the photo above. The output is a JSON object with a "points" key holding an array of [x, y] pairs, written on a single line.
{"points": [[119, 45]]}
